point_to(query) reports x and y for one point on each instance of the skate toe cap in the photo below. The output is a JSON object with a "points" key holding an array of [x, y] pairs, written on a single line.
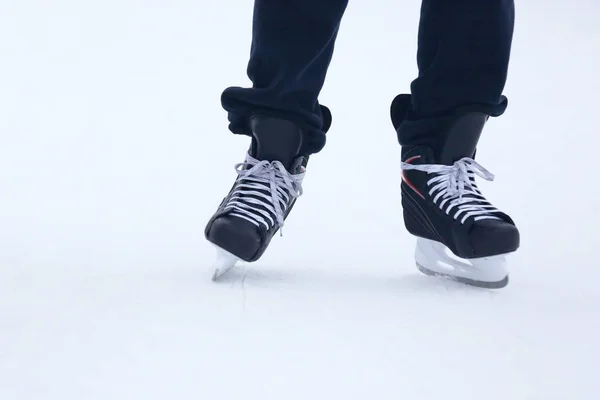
{"points": [[490, 237], [235, 235]]}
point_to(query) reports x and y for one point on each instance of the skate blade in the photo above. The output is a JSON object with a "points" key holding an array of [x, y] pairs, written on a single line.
{"points": [[471, 282], [435, 259], [224, 263]]}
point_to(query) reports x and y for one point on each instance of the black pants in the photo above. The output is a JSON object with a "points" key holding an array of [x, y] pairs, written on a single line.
{"points": [[463, 55]]}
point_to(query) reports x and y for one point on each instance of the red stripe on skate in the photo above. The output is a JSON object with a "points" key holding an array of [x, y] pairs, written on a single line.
{"points": [[409, 183]]}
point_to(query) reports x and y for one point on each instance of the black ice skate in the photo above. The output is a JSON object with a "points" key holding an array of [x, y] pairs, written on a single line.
{"points": [[269, 182], [445, 210]]}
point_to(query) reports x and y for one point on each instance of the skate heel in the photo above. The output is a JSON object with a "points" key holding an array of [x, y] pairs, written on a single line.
{"points": [[433, 258]]}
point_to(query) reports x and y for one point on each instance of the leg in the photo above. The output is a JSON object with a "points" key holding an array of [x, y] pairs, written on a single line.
{"points": [[292, 46], [463, 55]]}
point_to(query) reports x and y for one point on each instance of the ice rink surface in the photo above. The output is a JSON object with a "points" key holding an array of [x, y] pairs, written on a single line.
{"points": [[114, 153]]}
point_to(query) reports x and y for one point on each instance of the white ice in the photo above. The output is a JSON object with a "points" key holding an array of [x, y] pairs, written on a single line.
{"points": [[114, 152]]}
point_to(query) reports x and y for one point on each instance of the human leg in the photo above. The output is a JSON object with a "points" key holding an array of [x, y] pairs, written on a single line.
{"points": [[292, 46], [463, 55]]}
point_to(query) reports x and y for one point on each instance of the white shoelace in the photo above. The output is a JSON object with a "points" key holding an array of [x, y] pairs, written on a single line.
{"points": [[250, 200], [454, 185]]}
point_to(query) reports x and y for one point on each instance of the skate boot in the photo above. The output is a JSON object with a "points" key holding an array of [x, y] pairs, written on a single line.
{"points": [[460, 234], [269, 182]]}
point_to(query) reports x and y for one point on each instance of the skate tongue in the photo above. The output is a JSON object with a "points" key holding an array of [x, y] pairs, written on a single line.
{"points": [[276, 140], [460, 140]]}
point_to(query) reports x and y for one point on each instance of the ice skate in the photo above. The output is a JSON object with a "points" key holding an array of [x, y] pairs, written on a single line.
{"points": [[269, 182], [460, 234]]}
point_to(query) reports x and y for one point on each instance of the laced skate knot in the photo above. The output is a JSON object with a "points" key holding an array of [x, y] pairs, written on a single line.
{"points": [[264, 190], [455, 186]]}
